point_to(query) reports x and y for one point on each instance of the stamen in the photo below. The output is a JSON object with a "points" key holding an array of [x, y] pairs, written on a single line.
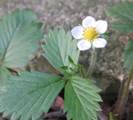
{"points": [[90, 34]]}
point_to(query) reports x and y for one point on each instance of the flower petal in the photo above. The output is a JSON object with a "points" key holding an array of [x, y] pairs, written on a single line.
{"points": [[89, 21], [77, 32], [83, 45], [101, 26], [99, 43]]}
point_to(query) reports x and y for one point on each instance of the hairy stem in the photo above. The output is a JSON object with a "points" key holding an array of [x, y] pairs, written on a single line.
{"points": [[92, 61], [123, 96]]}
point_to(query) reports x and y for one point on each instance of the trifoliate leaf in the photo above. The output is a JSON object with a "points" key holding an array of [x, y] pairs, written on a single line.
{"points": [[128, 55], [27, 96], [19, 35], [81, 99], [59, 47], [123, 16]]}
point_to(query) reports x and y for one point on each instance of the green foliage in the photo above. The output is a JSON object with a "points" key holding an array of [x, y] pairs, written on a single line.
{"points": [[29, 95], [81, 99], [128, 55], [59, 47], [123, 16], [19, 35], [4, 75]]}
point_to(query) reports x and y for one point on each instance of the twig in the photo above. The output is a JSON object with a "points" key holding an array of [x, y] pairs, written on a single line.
{"points": [[123, 96]]}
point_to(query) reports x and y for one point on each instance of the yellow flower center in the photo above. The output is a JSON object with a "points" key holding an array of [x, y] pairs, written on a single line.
{"points": [[90, 33]]}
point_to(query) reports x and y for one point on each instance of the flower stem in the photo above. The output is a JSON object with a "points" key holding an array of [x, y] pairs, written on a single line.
{"points": [[92, 61], [123, 96]]}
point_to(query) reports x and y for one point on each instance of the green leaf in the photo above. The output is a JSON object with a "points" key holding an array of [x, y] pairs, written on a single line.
{"points": [[19, 35], [4, 75], [59, 47], [126, 27], [27, 96], [128, 55], [81, 99], [123, 16]]}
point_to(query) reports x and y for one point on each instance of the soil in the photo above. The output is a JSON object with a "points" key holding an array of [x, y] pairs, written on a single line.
{"points": [[68, 13]]}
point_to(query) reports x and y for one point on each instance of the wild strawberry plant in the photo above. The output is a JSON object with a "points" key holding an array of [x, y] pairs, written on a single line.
{"points": [[27, 95]]}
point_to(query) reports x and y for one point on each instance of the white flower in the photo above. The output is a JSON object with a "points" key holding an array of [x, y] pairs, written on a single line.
{"points": [[89, 33]]}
